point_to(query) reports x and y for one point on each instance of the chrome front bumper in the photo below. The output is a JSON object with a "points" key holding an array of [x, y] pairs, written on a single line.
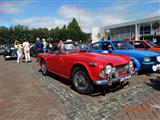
{"points": [[109, 82]]}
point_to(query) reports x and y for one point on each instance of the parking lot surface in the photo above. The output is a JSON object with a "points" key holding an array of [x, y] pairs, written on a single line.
{"points": [[28, 95]]}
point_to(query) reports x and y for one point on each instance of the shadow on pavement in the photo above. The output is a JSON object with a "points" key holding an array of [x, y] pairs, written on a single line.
{"points": [[145, 72], [105, 90], [60, 79], [154, 83], [98, 90]]}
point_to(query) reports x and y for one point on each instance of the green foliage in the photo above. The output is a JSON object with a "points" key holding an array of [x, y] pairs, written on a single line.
{"points": [[22, 33]]}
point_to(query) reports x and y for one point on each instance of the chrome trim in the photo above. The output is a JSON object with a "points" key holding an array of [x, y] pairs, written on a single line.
{"points": [[113, 80]]}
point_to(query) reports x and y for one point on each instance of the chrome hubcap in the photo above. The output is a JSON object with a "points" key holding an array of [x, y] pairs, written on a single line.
{"points": [[81, 80]]}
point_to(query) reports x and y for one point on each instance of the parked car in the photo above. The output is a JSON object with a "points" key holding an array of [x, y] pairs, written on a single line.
{"points": [[145, 45], [142, 59], [9, 52], [86, 69]]}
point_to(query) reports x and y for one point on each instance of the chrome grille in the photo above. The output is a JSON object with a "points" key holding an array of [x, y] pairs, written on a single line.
{"points": [[122, 68]]}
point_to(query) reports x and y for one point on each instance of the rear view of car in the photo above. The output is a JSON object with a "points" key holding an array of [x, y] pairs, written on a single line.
{"points": [[9, 52]]}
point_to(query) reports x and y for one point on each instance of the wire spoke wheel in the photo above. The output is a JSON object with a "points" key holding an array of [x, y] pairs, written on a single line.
{"points": [[81, 80]]}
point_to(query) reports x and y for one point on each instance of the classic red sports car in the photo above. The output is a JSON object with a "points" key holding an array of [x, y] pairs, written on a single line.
{"points": [[86, 69]]}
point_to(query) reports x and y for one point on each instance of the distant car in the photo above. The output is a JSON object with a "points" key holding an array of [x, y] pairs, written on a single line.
{"points": [[9, 52], [142, 59], [86, 69], [145, 45]]}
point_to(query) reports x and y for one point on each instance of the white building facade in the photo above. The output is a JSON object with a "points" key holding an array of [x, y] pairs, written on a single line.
{"points": [[136, 30]]}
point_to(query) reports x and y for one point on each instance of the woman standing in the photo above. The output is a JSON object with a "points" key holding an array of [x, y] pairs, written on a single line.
{"points": [[19, 51], [26, 48]]}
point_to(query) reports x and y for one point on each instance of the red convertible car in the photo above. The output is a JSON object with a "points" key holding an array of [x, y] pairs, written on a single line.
{"points": [[86, 69]]}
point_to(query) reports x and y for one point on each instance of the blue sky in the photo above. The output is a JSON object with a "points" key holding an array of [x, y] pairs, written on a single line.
{"points": [[89, 13]]}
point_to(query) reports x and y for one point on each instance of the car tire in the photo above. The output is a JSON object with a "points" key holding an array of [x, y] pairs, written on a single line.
{"points": [[83, 85], [43, 68]]}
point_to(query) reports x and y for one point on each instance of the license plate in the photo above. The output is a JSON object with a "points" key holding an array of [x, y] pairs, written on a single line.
{"points": [[125, 78]]}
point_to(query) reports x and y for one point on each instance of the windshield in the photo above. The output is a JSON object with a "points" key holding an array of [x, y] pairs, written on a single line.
{"points": [[71, 47], [152, 43], [9, 46], [122, 45]]}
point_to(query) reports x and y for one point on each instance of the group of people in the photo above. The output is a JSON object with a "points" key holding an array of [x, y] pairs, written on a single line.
{"points": [[41, 45], [22, 49]]}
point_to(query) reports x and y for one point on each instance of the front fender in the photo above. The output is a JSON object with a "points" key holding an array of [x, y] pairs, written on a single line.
{"points": [[136, 63], [93, 72]]}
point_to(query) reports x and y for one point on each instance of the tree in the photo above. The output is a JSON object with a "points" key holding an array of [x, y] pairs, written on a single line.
{"points": [[74, 31], [22, 33]]}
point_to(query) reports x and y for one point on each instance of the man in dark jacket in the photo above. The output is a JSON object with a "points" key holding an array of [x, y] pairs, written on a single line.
{"points": [[38, 46]]}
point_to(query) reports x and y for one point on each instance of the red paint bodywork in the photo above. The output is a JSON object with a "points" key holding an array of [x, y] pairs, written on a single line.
{"points": [[148, 46], [62, 64]]}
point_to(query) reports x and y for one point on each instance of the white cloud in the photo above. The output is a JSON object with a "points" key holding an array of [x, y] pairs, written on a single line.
{"points": [[8, 8], [37, 22], [88, 19], [118, 12], [12, 7]]}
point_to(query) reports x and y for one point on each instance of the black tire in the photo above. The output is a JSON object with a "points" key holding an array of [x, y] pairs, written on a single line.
{"points": [[83, 85], [43, 68]]}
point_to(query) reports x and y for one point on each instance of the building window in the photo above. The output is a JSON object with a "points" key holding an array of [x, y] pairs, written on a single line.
{"points": [[145, 29]]}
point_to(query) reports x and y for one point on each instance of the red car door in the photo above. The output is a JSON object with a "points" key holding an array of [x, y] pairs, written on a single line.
{"points": [[53, 62], [65, 64], [56, 63]]}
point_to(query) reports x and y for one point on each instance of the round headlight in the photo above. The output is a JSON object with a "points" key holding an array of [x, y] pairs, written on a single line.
{"points": [[158, 58], [147, 59], [108, 69]]}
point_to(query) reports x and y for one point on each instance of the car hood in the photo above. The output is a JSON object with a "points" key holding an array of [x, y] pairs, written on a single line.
{"points": [[138, 53], [115, 59]]}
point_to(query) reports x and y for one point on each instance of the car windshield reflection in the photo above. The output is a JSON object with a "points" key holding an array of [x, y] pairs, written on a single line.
{"points": [[72, 47], [122, 45], [152, 43]]}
